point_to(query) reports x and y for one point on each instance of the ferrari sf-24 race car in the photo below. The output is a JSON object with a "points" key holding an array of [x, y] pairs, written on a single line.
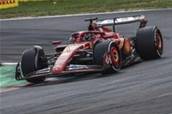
{"points": [[98, 49]]}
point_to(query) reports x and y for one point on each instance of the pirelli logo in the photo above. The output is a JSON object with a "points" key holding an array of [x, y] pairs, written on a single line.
{"points": [[8, 4]]}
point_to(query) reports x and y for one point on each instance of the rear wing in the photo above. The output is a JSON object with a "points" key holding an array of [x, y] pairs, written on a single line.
{"points": [[120, 20], [124, 20]]}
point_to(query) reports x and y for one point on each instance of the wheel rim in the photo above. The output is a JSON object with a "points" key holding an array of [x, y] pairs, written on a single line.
{"points": [[115, 56], [158, 44]]}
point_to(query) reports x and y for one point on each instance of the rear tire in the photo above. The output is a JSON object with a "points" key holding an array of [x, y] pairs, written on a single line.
{"points": [[149, 43], [107, 54], [32, 61]]}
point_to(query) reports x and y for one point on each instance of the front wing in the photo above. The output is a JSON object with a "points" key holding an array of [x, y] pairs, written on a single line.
{"points": [[48, 73]]}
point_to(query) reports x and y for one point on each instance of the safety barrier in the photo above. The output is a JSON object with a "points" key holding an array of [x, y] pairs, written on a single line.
{"points": [[8, 3]]}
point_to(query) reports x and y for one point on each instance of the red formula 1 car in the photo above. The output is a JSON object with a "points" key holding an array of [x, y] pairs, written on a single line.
{"points": [[99, 49]]}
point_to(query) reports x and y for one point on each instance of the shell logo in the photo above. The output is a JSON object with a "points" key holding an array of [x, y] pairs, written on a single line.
{"points": [[8, 4]]}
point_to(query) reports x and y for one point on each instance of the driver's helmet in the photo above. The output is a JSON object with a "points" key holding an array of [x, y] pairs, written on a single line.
{"points": [[93, 25], [74, 38]]}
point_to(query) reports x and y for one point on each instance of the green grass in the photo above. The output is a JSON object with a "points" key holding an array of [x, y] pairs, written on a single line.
{"points": [[7, 76], [59, 7]]}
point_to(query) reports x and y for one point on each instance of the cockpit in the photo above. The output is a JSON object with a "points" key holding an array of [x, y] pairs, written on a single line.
{"points": [[82, 37]]}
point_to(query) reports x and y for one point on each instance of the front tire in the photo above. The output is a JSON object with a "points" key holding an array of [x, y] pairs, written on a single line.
{"points": [[32, 60], [107, 54]]}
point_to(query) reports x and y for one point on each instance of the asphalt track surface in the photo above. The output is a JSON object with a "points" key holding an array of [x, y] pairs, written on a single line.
{"points": [[144, 88]]}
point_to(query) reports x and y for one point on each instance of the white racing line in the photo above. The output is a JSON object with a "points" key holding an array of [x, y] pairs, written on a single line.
{"points": [[84, 14], [7, 63]]}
